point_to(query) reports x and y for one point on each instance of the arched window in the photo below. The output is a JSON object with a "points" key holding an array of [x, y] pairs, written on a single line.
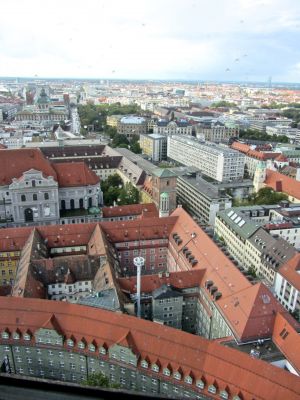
{"points": [[33, 183], [23, 197], [34, 197], [46, 196]]}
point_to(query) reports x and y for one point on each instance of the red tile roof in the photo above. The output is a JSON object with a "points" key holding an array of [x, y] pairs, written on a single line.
{"points": [[180, 280], [180, 351], [75, 174], [246, 149], [139, 229], [283, 183], [287, 340], [131, 209], [13, 163], [241, 302]]}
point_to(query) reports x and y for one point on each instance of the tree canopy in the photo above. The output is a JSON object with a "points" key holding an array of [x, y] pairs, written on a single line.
{"points": [[100, 380], [115, 192], [254, 134]]}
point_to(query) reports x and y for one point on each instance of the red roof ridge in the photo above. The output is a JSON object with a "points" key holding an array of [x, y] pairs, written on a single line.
{"points": [[127, 340], [52, 324]]}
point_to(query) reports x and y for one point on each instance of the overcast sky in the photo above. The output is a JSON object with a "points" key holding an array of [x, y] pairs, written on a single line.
{"points": [[151, 39]]}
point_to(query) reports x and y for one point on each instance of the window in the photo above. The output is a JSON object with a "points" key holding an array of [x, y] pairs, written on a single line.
{"points": [[92, 348], [46, 196], [200, 384], [144, 364], [223, 394], [155, 368], [102, 350], [16, 336], [166, 372], [70, 343], [81, 345], [177, 375], [34, 197], [5, 335], [212, 389], [23, 197], [188, 380]]}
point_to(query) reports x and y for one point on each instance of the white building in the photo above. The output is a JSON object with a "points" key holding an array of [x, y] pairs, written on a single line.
{"points": [[220, 163], [287, 284]]}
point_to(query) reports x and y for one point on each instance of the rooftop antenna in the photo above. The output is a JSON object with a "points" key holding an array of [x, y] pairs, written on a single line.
{"points": [[138, 262]]}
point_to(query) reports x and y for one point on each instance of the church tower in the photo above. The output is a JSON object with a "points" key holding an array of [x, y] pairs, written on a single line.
{"points": [[164, 205], [259, 176]]}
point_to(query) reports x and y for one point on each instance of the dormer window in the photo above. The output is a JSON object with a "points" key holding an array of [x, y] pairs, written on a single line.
{"points": [[177, 375], [81, 345], [144, 364], [166, 372], [212, 389], [5, 335], [26, 336], [102, 350], [155, 368], [16, 336], [200, 384], [70, 343], [92, 348], [224, 394], [188, 379]]}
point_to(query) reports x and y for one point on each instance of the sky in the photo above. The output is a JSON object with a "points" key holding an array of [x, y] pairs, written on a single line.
{"points": [[231, 40]]}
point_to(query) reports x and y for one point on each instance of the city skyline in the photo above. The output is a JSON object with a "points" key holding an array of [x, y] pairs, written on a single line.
{"points": [[241, 41]]}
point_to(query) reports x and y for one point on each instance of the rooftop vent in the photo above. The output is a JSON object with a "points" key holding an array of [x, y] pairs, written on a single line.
{"points": [[213, 289], [208, 284], [217, 295]]}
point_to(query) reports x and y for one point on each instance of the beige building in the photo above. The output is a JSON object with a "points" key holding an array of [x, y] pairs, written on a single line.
{"points": [[154, 146], [131, 125]]}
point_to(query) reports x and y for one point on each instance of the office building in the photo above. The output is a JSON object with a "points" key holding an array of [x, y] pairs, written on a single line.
{"points": [[154, 146], [220, 163]]}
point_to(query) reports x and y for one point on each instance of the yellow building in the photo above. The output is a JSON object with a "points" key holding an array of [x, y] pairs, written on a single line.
{"points": [[112, 120], [8, 266]]}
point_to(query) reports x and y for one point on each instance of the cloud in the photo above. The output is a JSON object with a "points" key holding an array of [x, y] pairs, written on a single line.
{"points": [[150, 39]]}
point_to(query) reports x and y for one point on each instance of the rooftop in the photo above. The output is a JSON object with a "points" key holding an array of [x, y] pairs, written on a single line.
{"points": [[179, 351]]}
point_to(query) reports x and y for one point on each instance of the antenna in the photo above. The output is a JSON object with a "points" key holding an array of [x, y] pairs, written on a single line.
{"points": [[138, 262]]}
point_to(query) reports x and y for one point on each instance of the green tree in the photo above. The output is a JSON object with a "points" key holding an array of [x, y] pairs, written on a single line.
{"points": [[267, 196], [99, 380], [223, 103], [119, 139], [128, 195]]}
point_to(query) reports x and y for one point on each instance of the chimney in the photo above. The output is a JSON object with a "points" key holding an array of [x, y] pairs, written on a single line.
{"points": [[278, 186]]}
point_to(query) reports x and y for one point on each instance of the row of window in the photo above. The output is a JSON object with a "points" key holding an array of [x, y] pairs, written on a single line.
{"points": [[34, 197]]}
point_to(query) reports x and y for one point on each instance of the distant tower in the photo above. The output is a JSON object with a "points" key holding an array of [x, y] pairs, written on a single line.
{"points": [[164, 205], [138, 262], [259, 176], [270, 82]]}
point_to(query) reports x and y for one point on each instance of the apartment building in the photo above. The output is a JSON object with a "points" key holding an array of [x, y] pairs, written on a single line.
{"points": [[215, 131], [217, 162], [250, 245], [154, 146], [169, 128], [201, 198], [287, 285], [253, 157]]}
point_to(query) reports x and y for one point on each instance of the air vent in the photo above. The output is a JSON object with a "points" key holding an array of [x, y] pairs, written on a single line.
{"points": [[208, 284], [217, 295], [213, 289]]}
